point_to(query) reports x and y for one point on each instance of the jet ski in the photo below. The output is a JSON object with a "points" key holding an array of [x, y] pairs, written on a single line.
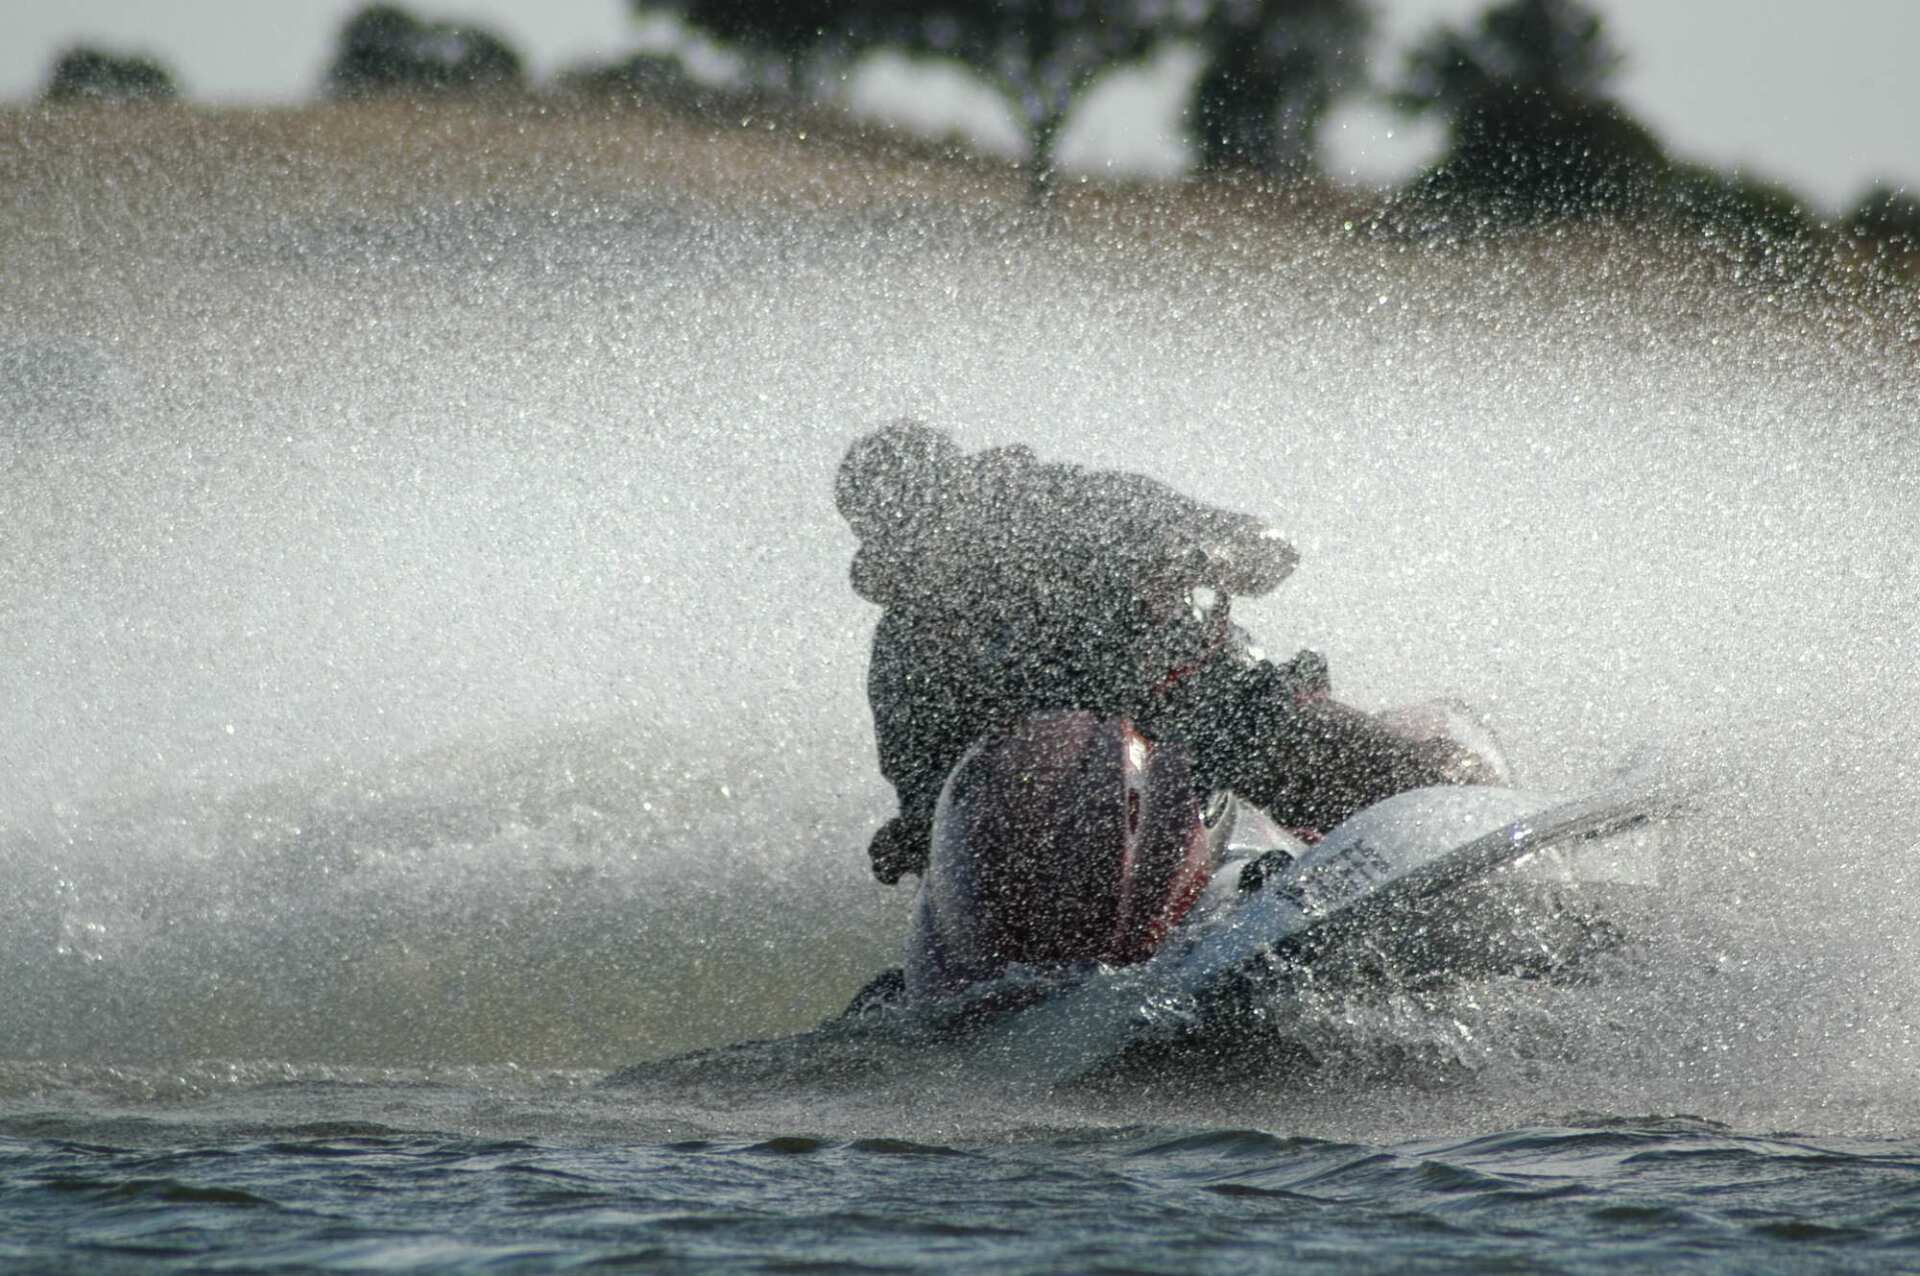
{"points": [[1077, 887]]}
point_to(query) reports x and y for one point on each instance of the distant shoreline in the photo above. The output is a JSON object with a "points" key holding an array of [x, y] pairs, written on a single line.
{"points": [[144, 170]]}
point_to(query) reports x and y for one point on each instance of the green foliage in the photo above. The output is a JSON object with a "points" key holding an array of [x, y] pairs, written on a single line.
{"points": [[657, 78], [790, 25], [1887, 217], [784, 39], [1272, 69], [1533, 136], [1552, 48], [1040, 53], [1273, 66], [1753, 220], [88, 74], [384, 49], [1522, 157]]}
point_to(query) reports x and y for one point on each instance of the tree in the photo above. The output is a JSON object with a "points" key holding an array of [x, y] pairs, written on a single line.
{"points": [[384, 49], [1272, 69], [654, 77], [1553, 48], [1761, 224], [1533, 134], [785, 37], [88, 74], [1887, 218], [1041, 54]]}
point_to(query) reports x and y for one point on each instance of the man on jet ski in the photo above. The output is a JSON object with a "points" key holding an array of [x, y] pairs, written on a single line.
{"points": [[1012, 586]]}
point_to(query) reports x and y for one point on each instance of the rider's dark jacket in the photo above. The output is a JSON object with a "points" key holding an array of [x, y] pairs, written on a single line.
{"points": [[1012, 587]]}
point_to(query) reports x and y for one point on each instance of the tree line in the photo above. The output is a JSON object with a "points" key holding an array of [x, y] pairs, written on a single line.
{"points": [[1524, 90]]}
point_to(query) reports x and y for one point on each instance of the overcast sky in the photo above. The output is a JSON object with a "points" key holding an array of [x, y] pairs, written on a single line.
{"points": [[1822, 96]]}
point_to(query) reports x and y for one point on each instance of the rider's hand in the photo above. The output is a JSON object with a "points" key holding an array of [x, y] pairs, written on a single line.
{"points": [[1304, 677], [896, 851], [1453, 763]]}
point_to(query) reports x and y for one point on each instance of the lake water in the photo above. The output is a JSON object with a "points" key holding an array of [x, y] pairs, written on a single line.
{"points": [[248, 1186], [434, 689]]}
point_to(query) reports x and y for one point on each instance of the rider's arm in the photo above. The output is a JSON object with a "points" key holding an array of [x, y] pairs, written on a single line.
{"points": [[1273, 734]]}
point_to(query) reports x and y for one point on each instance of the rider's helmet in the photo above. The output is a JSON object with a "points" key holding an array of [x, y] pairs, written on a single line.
{"points": [[891, 477]]}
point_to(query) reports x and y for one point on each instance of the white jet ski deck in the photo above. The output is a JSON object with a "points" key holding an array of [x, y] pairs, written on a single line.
{"points": [[1375, 872]]}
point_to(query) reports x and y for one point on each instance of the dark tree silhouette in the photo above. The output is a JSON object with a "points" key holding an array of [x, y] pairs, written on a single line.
{"points": [[88, 74], [787, 36], [660, 79], [1272, 69], [1533, 134], [1557, 48], [384, 49], [1737, 201], [1751, 220], [1042, 54], [1888, 218]]}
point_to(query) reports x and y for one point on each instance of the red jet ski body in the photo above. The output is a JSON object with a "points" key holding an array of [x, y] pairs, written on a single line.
{"points": [[1072, 838]]}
